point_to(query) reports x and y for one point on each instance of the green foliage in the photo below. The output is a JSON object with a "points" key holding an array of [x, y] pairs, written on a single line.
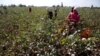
{"points": [[19, 28]]}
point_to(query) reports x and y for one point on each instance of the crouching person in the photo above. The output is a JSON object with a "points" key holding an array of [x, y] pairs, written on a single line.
{"points": [[50, 14], [73, 20]]}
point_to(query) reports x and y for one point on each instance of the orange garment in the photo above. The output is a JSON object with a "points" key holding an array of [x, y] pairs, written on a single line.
{"points": [[86, 33]]}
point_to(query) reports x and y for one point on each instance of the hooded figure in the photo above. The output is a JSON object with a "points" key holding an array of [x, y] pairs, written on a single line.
{"points": [[73, 20], [74, 16]]}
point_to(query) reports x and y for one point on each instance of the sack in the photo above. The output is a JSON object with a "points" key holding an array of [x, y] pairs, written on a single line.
{"points": [[86, 33]]}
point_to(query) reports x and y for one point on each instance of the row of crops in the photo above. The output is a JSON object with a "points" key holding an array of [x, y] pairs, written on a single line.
{"points": [[32, 34]]}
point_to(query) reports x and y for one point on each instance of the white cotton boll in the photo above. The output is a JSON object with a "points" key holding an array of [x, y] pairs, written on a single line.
{"points": [[89, 38], [88, 48], [78, 30], [51, 54], [42, 18], [38, 55], [52, 35], [69, 53], [30, 47], [53, 50], [83, 39], [66, 29], [45, 53], [49, 46], [73, 43], [75, 32], [31, 43], [70, 36], [72, 54], [63, 33], [70, 49]]}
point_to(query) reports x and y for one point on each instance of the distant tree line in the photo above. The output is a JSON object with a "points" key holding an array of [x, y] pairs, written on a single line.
{"points": [[22, 5], [13, 5]]}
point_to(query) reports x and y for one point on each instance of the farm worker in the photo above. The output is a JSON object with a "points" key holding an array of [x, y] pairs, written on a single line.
{"points": [[74, 16], [5, 10], [30, 9], [50, 13], [73, 20], [56, 9]]}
